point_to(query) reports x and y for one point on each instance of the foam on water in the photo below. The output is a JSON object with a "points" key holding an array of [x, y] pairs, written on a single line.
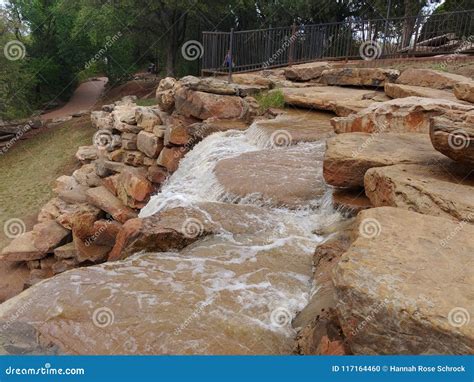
{"points": [[195, 182]]}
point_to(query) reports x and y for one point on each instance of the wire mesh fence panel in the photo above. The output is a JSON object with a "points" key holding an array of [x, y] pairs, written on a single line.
{"points": [[449, 32]]}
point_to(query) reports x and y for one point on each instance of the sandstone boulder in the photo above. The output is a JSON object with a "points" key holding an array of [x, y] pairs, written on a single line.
{"points": [[147, 118], [176, 228], [341, 101], [89, 252], [133, 158], [319, 330], [157, 174], [170, 156], [167, 290], [66, 251], [443, 189], [288, 177], [350, 201], [402, 115], [36, 244], [349, 156], [166, 83], [430, 78], [455, 139], [465, 91], [104, 168], [359, 76], [86, 154], [306, 72], [125, 114], [401, 91], [108, 202], [133, 188], [149, 144], [177, 135], [129, 141], [165, 100], [126, 128], [220, 86], [86, 176], [102, 120], [396, 298], [206, 105], [252, 79]]}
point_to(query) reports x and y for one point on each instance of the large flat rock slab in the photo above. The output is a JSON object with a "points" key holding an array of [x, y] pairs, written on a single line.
{"points": [[349, 156], [218, 296], [373, 77], [290, 177], [401, 91], [401, 115], [443, 189], [202, 105], [455, 139], [339, 100], [306, 72], [401, 291], [430, 78]]}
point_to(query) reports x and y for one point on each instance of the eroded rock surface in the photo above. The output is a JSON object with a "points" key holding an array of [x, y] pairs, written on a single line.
{"points": [[401, 91], [349, 156], [359, 76], [399, 298], [430, 78], [444, 189], [401, 115], [341, 101], [455, 139]]}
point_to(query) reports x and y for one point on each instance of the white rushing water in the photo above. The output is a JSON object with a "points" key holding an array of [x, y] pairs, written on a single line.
{"points": [[220, 260]]}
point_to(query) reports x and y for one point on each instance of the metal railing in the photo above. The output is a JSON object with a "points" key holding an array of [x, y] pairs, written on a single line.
{"points": [[352, 39]]}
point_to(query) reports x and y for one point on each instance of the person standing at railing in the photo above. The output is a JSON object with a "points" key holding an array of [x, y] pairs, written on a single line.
{"points": [[228, 61]]}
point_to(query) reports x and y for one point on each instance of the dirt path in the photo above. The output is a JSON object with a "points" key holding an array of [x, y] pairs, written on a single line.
{"points": [[84, 98]]}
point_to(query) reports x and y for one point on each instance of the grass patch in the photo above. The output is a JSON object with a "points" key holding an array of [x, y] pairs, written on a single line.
{"points": [[271, 99], [29, 168], [147, 102]]}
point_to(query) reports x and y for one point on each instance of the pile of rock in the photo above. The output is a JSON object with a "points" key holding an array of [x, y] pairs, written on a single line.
{"points": [[134, 151], [402, 275]]}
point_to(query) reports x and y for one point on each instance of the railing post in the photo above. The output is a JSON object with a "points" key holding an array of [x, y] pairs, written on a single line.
{"points": [[231, 55], [349, 41], [292, 44]]}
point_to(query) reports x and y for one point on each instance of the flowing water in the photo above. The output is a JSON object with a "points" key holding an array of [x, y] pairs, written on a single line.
{"points": [[235, 292]]}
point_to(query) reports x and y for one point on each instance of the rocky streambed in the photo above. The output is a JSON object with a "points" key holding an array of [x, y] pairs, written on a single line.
{"points": [[200, 226]]}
